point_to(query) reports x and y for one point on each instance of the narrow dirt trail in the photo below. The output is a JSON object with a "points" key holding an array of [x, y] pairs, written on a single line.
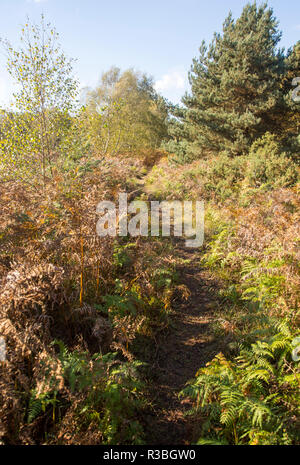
{"points": [[188, 346]]}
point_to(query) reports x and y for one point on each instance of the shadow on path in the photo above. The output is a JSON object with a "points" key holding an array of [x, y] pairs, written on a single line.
{"points": [[180, 353]]}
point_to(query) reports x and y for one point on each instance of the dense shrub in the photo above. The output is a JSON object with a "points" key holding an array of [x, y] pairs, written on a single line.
{"points": [[222, 176], [268, 165]]}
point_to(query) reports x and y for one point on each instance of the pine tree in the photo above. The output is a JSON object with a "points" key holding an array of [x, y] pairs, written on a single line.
{"points": [[235, 86]]}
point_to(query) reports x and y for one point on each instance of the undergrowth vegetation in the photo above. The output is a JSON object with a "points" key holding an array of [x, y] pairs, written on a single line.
{"points": [[60, 281], [250, 394]]}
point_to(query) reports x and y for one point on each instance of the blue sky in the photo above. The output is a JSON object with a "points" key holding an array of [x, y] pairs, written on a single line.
{"points": [[158, 37]]}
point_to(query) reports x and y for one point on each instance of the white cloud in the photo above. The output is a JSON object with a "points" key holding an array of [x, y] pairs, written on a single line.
{"points": [[171, 81]]}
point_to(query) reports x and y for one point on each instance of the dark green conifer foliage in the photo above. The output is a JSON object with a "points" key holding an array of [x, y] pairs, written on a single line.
{"points": [[235, 86], [290, 116]]}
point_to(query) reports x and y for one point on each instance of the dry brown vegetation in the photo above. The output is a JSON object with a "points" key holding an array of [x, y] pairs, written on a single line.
{"points": [[60, 281], [250, 394]]}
